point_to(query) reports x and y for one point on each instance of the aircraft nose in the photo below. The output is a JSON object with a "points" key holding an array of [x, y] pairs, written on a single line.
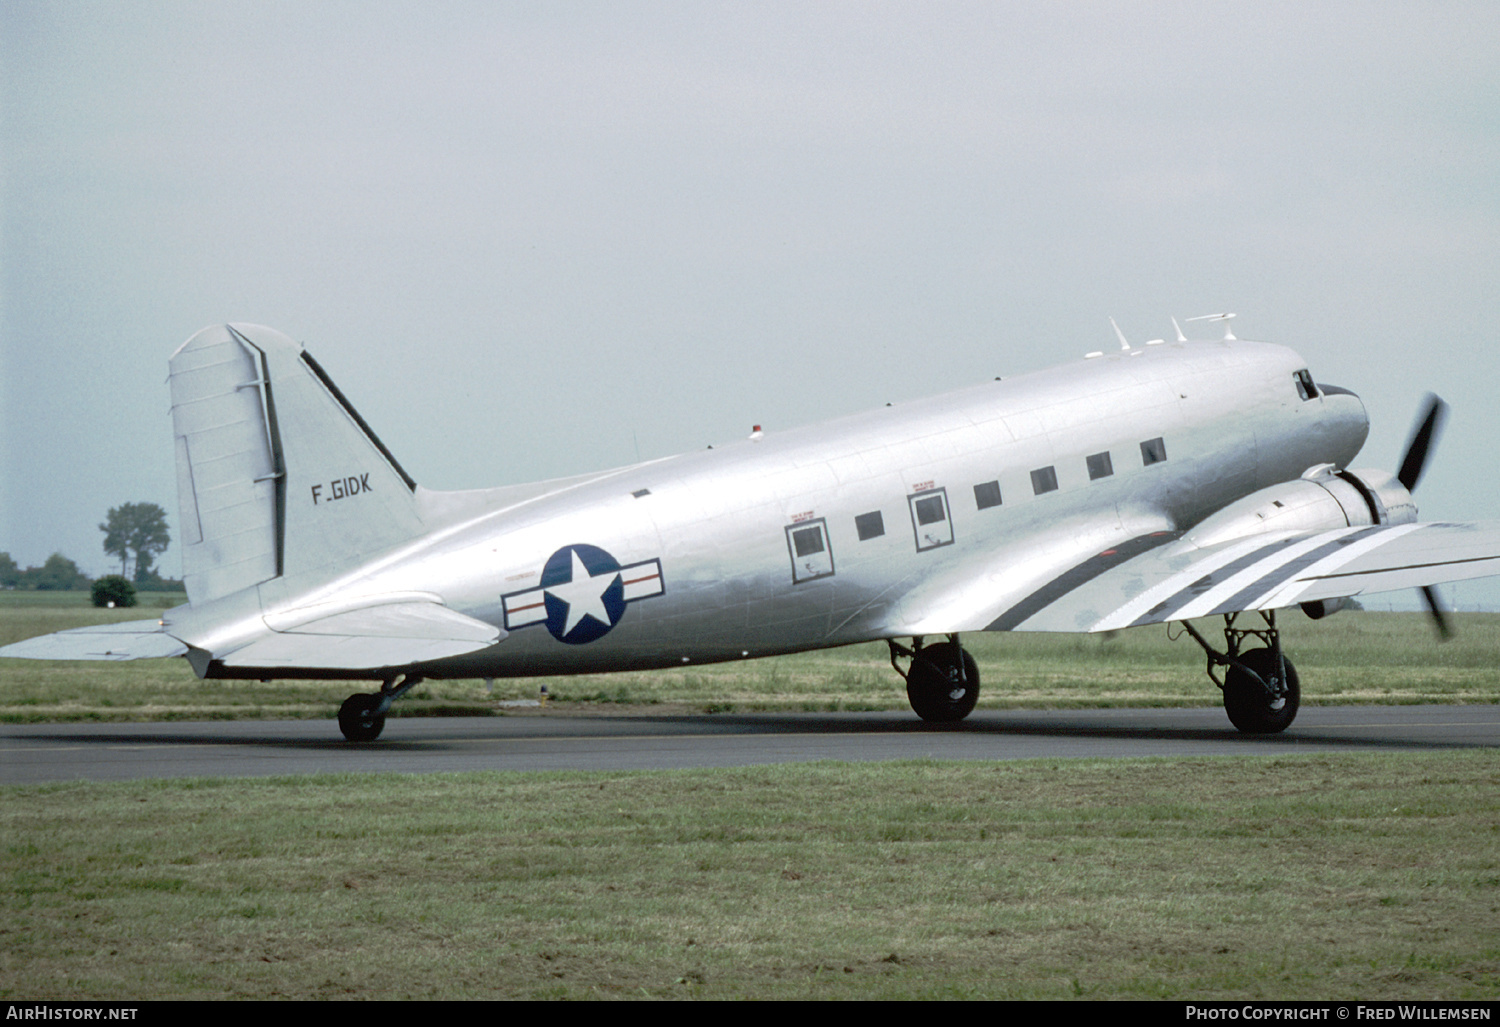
{"points": [[1348, 421]]}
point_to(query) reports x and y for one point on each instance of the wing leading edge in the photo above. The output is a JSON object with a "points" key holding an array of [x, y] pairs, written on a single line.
{"points": [[1180, 581]]}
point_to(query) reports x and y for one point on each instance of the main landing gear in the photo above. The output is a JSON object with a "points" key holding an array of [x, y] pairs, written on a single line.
{"points": [[942, 681], [1261, 691], [362, 716]]}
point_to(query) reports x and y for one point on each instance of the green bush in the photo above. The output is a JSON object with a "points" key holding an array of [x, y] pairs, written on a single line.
{"points": [[113, 590]]}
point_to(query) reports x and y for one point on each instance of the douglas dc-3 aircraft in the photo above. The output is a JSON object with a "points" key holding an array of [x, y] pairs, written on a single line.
{"points": [[1166, 482]]}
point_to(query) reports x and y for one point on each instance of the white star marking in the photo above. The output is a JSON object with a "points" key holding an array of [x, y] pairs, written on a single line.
{"points": [[584, 594]]}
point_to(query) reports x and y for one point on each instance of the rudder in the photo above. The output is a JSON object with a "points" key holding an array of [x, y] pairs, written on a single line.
{"points": [[278, 475]]}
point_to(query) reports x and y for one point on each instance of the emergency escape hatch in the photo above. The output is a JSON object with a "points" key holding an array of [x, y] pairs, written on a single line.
{"points": [[929, 518], [812, 557]]}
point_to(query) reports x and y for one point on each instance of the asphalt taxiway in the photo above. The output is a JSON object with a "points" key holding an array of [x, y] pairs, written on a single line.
{"points": [[34, 753]]}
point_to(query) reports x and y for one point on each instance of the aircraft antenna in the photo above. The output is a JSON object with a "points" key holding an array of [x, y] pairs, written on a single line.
{"points": [[1180, 336], [1125, 346], [1226, 318]]}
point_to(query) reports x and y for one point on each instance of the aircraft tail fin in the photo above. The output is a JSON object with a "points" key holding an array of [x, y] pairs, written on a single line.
{"points": [[277, 475]]}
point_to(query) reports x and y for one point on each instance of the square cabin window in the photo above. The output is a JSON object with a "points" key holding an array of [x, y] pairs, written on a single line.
{"points": [[1100, 466], [987, 495], [930, 510], [869, 525], [808, 541], [1153, 451], [1044, 479]]}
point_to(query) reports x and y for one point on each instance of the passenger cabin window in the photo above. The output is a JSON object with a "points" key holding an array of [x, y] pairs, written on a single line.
{"points": [[1305, 387], [1153, 451], [1044, 480], [987, 495], [869, 525], [1100, 466], [929, 518], [811, 556]]}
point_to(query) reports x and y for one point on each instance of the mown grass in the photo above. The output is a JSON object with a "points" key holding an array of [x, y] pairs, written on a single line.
{"points": [[1303, 877], [1349, 658]]}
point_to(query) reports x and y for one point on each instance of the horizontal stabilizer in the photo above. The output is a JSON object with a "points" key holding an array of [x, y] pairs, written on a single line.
{"points": [[125, 640], [389, 635]]}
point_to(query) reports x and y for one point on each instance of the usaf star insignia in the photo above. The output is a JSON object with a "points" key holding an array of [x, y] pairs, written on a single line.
{"points": [[583, 594]]}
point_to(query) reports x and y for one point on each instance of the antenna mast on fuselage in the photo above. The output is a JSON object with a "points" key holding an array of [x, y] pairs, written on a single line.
{"points": [[1226, 318]]}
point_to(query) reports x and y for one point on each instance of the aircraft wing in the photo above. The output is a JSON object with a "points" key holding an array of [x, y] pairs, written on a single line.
{"points": [[1012, 586], [123, 640], [1177, 581]]}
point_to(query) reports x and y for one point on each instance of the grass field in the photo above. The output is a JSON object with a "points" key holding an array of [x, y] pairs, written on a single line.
{"points": [[1305, 877], [1348, 658], [1348, 876]]}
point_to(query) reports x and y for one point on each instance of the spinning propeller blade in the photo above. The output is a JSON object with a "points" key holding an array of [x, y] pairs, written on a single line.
{"points": [[1439, 615], [1423, 437]]}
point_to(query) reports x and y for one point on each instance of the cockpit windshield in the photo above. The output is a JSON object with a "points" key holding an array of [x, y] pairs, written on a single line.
{"points": [[1305, 386]]}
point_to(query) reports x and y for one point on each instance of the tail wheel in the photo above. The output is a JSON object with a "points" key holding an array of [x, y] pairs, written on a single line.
{"points": [[360, 718], [1246, 702], [943, 683]]}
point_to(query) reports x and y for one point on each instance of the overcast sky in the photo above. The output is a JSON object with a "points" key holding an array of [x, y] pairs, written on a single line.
{"points": [[533, 239]]}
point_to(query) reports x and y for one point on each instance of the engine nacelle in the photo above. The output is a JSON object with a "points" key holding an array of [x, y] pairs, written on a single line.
{"points": [[1321, 500], [1320, 608]]}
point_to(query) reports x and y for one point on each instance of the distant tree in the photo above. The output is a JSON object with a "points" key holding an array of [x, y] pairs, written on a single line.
{"points": [[113, 590], [58, 574], [10, 573], [139, 528], [151, 581]]}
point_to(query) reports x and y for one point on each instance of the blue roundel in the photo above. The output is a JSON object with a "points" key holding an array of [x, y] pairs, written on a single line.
{"points": [[583, 592]]}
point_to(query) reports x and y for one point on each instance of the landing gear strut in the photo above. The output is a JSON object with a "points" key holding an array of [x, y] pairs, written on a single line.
{"points": [[942, 681], [362, 716], [1261, 690]]}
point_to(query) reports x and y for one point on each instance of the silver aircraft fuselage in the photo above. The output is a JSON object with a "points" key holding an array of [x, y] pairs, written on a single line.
{"points": [[863, 528]]}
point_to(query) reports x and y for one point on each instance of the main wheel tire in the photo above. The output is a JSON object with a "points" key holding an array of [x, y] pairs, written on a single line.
{"points": [[1246, 703], [358, 719], [936, 689]]}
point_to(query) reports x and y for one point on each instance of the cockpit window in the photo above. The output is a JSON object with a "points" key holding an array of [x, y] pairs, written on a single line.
{"points": [[1305, 387]]}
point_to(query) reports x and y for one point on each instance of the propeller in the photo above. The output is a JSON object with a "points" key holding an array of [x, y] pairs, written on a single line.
{"points": [[1439, 615], [1424, 436]]}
